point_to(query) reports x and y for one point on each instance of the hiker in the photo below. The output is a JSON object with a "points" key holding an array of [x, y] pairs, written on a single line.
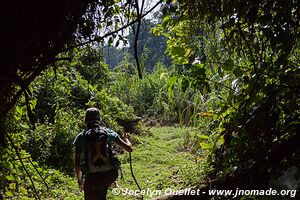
{"points": [[95, 167]]}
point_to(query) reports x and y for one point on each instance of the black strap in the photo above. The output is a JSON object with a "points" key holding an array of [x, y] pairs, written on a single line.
{"points": [[132, 174]]}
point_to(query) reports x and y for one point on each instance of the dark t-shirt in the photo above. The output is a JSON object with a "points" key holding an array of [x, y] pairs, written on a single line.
{"points": [[79, 141]]}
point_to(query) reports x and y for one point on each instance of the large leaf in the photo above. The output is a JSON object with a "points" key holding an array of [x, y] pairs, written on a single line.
{"points": [[206, 146]]}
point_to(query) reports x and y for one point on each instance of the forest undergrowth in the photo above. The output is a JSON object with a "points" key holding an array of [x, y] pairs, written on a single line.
{"points": [[160, 161], [226, 83]]}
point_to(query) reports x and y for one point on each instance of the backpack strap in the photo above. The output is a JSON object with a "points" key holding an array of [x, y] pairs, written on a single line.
{"points": [[116, 164], [86, 159]]}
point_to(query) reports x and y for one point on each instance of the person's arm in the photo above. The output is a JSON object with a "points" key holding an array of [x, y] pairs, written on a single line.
{"points": [[124, 143], [78, 169]]}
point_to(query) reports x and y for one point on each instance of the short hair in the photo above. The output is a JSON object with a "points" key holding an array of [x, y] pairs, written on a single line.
{"points": [[92, 114]]}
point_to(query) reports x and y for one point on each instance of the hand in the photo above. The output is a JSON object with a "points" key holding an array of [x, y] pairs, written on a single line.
{"points": [[124, 143], [126, 136]]}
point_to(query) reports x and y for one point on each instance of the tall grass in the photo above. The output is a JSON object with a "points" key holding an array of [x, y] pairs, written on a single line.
{"points": [[164, 94]]}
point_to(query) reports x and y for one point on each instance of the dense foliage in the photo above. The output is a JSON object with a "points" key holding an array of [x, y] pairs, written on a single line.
{"points": [[234, 77], [44, 133], [256, 49]]}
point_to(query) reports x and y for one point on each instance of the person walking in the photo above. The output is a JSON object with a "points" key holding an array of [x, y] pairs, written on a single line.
{"points": [[95, 166]]}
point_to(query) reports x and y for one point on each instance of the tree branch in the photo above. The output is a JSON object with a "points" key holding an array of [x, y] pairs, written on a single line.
{"points": [[20, 159], [136, 40], [99, 38]]}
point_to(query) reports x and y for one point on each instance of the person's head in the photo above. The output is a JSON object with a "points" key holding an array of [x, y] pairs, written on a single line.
{"points": [[92, 116]]}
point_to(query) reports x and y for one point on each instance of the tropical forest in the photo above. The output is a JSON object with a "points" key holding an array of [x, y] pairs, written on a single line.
{"points": [[206, 91]]}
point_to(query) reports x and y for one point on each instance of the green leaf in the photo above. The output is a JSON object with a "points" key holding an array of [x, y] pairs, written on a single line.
{"points": [[205, 137], [172, 81], [117, 9], [162, 75], [9, 194], [33, 103], [205, 146], [166, 19], [19, 110], [221, 140], [12, 186], [25, 126], [10, 178], [23, 190], [110, 40]]}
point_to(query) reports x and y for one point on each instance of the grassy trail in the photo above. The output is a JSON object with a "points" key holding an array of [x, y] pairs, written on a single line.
{"points": [[157, 163]]}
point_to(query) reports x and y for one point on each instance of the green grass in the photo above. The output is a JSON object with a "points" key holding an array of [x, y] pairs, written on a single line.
{"points": [[157, 163]]}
